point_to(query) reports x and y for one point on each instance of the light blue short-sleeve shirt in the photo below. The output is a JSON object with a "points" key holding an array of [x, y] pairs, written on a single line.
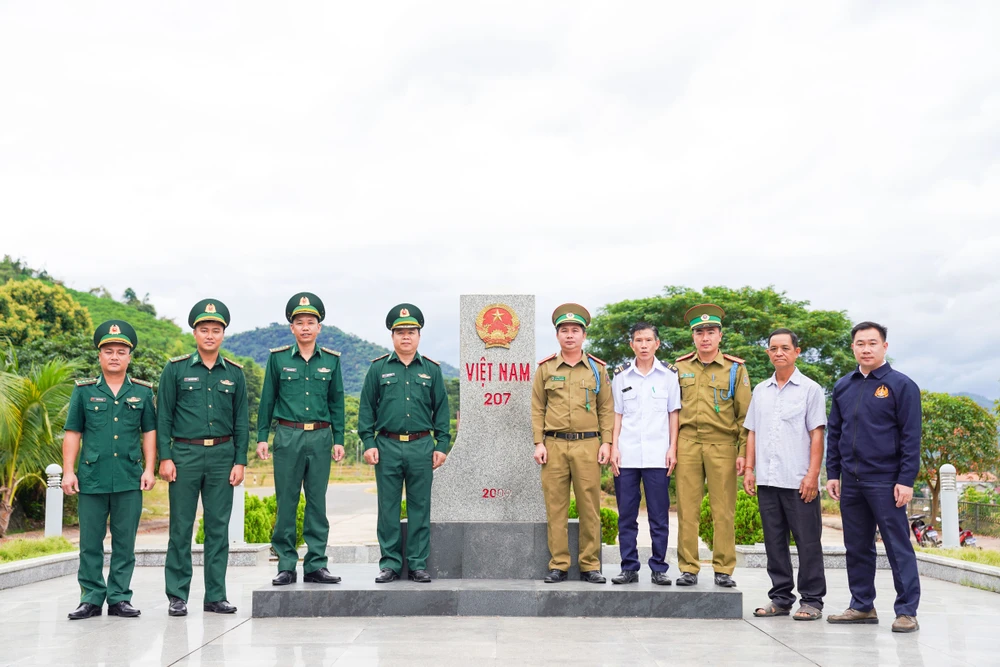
{"points": [[645, 403]]}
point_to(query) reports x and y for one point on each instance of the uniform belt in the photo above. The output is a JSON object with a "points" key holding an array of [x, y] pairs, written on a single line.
{"points": [[572, 436], [207, 442], [305, 426], [405, 437]]}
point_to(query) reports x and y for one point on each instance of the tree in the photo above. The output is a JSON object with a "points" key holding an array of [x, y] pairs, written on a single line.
{"points": [[33, 408], [129, 298], [146, 363], [958, 431], [751, 314], [34, 309]]}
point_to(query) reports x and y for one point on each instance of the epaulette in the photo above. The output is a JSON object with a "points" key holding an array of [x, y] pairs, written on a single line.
{"points": [[686, 356], [281, 349], [430, 360], [670, 366], [620, 368], [548, 358], [234, 363], [180, 358], [382, 357], [734, 359], [598, 360], [85, 381], [144, 383], [329, 351]]}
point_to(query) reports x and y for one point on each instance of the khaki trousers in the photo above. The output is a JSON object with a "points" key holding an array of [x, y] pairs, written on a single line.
{"points": [[697, 463], [573, 462]]}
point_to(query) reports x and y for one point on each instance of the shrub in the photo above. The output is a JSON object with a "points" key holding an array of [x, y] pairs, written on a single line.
{"points": [[23, 548], [746, 521], [609, 522], [402, 509], [607, 481], [259, 517]]}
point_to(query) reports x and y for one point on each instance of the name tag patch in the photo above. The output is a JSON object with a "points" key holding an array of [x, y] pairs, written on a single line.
{"points": [[687, 375], [388, 375], [97, 399], [290, 370], [192, 379], [558, 378]]}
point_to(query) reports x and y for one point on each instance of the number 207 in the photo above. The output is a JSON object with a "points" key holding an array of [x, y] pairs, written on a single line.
{"points": [[497, 398]]}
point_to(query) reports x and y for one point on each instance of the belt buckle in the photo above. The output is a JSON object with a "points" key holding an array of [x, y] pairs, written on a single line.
{"points": [[573, 436], [209, 442], [404, 437], [308, 427]]}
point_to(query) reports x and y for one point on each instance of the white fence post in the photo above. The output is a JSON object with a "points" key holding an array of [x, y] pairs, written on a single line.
{"points": [[54, 501], [236, 525], [949, 506]]}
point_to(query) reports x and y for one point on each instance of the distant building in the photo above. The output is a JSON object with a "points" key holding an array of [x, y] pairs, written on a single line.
{"points": [[985, 481]]}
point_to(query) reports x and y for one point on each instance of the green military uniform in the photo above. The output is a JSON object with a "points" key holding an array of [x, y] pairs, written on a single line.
{"points": [[109, 471], [307, 399], [401, 405], [566, 402], [203, 426], [710, 438]]}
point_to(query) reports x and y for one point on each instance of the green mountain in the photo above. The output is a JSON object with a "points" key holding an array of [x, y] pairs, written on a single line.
{"points": [[154, 333], [982, 401], [355, 353]]}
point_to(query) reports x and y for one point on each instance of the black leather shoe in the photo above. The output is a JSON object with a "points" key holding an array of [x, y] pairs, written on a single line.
{"points": [[320, 576], [385, 575], [687, 579], [85, 610], [284, 578], [555, 577], [724, 580], [660, 578], [626, 577], [593, 577], [220, 607], [178, 607], [123, 609], [419, 576]]}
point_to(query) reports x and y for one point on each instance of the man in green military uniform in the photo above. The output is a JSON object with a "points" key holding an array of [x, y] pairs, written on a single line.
{"points": [[115, 418], [203, 433], [715, 395], [572, 418], [304, 390], [403, 401]]}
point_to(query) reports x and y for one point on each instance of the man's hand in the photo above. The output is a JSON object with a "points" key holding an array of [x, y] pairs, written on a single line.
{"points": [[168, 471], [833, 488], [371, 456], [741, 464], [604, 453], [903, 494], [236, 475], [338, 453], [616, 461], [671, 459], [262, 451], [147, 481], [541, 454], [438, 460], [70, 484], [750, 482], [809, 488]]}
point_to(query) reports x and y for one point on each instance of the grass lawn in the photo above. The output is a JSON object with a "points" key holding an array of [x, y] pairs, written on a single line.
{"points": [[262, 473], [22, 548], [981, 556]]}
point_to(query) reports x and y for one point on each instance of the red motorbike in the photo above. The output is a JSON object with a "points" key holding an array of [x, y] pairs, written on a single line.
{"points": [[924, 533]]}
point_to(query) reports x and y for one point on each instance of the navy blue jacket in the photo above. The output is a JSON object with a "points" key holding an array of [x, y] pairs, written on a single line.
{"points": [[874, 428]]}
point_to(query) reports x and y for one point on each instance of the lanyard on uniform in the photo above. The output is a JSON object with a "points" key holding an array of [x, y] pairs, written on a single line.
{"points": [[726, 395], [597, 377]]}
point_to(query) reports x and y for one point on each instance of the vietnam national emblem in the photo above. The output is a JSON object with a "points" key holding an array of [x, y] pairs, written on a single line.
{"points": [[497, 325], [115, 329]]}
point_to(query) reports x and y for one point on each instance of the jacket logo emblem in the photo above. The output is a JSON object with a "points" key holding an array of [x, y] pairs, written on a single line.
{"points": [[132, 399], [228, 383], [323, 370], [882, 392]]}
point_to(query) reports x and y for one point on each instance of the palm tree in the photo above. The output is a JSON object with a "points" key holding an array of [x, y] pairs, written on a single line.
{"points": [[33, 407]]}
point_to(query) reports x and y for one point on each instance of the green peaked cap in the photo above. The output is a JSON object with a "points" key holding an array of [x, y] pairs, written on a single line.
{"points": [[704, 315], [404, 315], [305, 303], [209, 310], [571, 313], [115, 331]]}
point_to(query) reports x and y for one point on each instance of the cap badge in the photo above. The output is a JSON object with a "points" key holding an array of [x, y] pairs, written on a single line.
{"points": [[114, 329], [706, 317], [570, 316], [403, 312], [210, 308], [304, 301]]}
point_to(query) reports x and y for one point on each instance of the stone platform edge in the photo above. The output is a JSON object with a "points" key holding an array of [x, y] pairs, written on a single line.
{"points": [[834, 558], [240, 555], [32, 570], [359, 554]]}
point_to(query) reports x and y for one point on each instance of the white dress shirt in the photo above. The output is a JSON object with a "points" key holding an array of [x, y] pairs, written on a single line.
{"points": [[645, 403]]}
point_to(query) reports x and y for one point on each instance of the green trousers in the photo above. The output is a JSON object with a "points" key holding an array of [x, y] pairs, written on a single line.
{"points": [[201, 471], [123, 510], [411, 463], [301, 464]]}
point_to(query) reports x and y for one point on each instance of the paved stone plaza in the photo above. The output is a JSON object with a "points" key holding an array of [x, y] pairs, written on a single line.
{"points": [[958, 627]]}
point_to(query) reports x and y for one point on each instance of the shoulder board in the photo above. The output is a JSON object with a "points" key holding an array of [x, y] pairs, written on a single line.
{"points": [[234, 363], [548, 358], [598, 360], [83, 382], [620, 368], [281, 349], [734, 359], [329, 351], [144, 383], [180, 358], [686, 356], [430, 360], [382, 357], [670, 366]]}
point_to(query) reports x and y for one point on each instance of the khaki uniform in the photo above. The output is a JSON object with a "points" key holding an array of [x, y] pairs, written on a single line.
{"points": [[565, 399], [710, 439]]}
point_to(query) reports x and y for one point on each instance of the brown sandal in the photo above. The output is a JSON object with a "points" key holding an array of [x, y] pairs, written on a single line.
{"points": [[809, 613], [771, 610]]}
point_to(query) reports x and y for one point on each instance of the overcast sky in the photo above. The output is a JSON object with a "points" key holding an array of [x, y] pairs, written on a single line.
{"points": [[847, 153]]}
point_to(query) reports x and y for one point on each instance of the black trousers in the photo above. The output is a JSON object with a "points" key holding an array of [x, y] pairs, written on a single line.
{"points": [[782, 511]]}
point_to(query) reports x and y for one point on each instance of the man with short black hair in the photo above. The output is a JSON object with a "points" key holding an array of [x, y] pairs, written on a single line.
{"points": [[872, 460]]}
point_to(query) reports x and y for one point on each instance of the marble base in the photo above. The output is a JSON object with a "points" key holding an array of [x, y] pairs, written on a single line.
{"points": [[361, 596], [30, 570], [834, 558]]}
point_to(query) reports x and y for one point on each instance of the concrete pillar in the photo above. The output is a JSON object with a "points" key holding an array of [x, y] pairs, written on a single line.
{"points": [[54, 501], [949, 506], [236, 520]]}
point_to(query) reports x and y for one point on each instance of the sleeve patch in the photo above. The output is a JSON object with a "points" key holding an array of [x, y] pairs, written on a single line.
{"points": [[180, 358], [281, 349], [329, 351], [234, 363]]}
